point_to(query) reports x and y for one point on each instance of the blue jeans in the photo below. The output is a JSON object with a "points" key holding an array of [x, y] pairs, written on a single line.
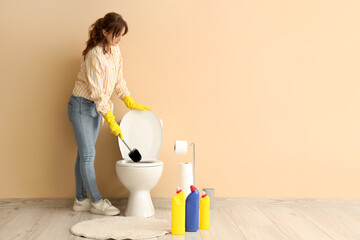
{"points": [[85, 121]]}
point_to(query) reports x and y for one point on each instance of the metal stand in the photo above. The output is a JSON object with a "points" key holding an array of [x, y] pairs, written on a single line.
{"points": [[193, 144]]}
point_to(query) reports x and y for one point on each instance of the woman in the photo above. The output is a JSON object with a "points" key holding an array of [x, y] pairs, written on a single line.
{"points": [[101, 73]]}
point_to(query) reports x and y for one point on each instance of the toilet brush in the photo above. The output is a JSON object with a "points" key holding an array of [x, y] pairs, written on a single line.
{"points": [[133, 154]]}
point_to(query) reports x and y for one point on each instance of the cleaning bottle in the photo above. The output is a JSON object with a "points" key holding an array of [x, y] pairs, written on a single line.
{"points": [[178, 213], [192, 210], [204, 211]]}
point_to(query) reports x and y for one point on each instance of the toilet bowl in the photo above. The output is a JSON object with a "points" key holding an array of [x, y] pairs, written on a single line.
{"points": [[141, 130]]}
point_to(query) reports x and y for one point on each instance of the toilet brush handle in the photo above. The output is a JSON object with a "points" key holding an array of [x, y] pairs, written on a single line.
{"points": [[126, 145]]}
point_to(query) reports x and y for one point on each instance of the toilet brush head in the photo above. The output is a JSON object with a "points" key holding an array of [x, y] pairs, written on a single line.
{"points": [[135, 155]]}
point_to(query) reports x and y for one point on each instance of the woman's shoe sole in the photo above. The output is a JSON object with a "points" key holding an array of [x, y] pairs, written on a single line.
{"points": [[99, 212], [80, 209]]}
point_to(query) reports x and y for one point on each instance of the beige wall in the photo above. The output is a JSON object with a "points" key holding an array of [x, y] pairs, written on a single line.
{"points": [[268, 91]]}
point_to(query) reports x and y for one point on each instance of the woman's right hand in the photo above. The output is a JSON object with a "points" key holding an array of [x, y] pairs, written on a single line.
{"points": [[114, 127]]}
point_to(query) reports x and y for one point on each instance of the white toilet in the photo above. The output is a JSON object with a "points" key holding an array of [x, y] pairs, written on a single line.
{"points": [[141, 130]]}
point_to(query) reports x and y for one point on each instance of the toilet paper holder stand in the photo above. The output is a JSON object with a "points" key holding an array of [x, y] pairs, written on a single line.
{"points": [[189, 145]]}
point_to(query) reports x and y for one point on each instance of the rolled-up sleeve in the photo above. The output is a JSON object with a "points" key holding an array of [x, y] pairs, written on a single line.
{"points": [[121, 89], [95, 76]]}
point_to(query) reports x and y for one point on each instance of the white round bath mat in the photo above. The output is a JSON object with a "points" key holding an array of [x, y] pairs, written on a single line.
{"points": [[121, 228]]}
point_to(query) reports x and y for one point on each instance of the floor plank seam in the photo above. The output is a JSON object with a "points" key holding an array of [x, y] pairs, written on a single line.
{"points": [[35, 226], [277, 226], [304, 216], [238, 227]]}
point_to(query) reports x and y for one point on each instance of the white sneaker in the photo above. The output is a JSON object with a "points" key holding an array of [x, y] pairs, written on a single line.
{"points": [[81, 206], [104, 207]]}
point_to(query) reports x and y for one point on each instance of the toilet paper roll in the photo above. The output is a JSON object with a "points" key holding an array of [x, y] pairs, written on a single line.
{"points": [[185, 181], [185, 169], [180, 147], [185, 177]]}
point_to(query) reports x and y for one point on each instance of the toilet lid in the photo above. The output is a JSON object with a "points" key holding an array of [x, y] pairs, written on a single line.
{"points": [[142, 163], [141, 130]]}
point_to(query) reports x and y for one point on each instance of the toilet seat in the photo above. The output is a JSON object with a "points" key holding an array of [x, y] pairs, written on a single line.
{"points": [[141, 130], [142, 163]]}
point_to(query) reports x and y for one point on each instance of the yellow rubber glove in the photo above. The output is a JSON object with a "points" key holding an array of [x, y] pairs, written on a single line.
{"points": [[114, 127], [132, 105]]}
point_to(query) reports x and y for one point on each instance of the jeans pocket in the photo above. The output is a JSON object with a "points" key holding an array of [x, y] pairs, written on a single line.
{"points": [[73, 108], [89, 108], [94, 112], [70, 110], [70, 101]]}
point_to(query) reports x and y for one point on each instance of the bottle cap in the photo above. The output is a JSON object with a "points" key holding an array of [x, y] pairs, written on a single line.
{"points": [[178, 190], [203, 194], [192, 188]]}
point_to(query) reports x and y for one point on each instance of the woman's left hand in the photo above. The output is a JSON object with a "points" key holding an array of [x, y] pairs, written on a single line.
{"points": [[129, 102]]}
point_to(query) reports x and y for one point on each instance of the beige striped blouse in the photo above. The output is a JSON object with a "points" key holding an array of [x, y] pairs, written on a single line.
{"points": [[99, 76]]}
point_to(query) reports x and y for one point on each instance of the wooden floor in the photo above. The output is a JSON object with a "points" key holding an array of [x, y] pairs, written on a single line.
{"points": [[231, 219]]}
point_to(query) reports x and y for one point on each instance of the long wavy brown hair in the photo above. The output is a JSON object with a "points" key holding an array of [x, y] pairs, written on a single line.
{"points": [[111, 22]]}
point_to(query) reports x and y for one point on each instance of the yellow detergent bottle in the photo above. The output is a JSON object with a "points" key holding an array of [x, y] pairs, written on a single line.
{"points": [[178, 213], [204, 211]]}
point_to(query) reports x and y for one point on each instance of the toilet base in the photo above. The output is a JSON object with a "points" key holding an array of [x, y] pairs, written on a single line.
{"points": [[140, 204]]}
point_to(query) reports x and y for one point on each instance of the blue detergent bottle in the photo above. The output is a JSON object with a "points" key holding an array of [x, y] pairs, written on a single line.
{"points": [[192, 211]]}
